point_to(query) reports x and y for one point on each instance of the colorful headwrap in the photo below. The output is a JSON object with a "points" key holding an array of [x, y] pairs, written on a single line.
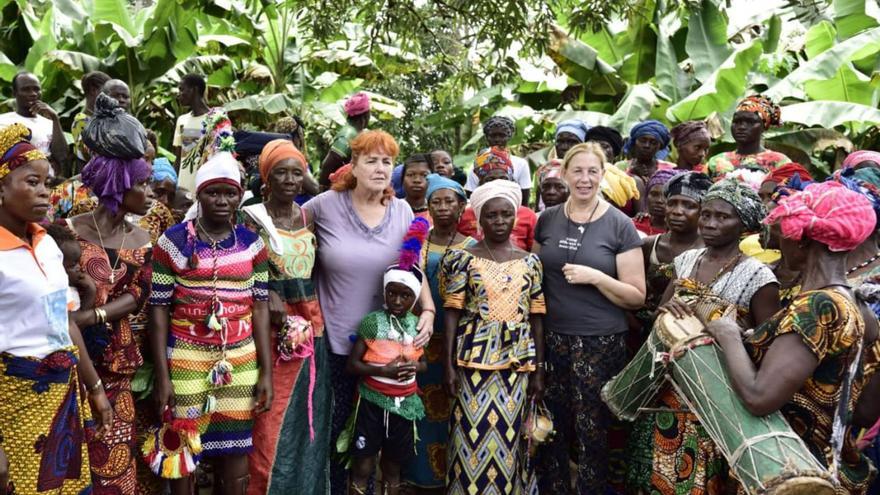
{"points": [[162, 169], [276, 151], [608, 135], [618, 187], [221, 168], [110, 178], [826, 212], [550, 170], [865, 181], [16, 148], [494, 158], [357, 104], [217, 137], [652, 128], [782, 174], [500, 122], [744, 200], [693, 185], [690, 131], [769, 112], [406, 271], [661, 177], [573, 126], [438, 182], [505, 189], [857, 157]]}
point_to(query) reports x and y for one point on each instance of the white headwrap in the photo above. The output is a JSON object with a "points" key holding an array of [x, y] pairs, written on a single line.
{"points": [[411, 278], [222, 167], [498, 188]]}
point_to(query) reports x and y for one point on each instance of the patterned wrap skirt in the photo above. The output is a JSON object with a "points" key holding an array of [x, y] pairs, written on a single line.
{"points": [[42, 422], [488, 453], [228, 429]]}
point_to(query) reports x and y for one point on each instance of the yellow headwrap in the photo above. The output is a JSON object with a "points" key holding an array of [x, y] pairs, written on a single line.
{"points": [[618, 187], [16, 148]]}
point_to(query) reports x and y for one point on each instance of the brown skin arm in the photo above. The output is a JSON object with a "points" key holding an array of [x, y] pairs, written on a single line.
{"points": [[331, 163], [526, 195], [263, 342], [116, 309], [310, 185], [785, 368], [868, 407], [163, 393], [88, 376], [451, 317], [536, 379], [765, 303]]}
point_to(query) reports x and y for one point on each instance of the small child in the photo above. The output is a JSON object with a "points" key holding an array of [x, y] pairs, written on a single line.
{"points": [[82, 292], [387, 360]]}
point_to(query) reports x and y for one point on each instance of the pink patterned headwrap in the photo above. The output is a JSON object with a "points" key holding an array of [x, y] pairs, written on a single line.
{"points": [[857, 157], [826, 212], [357, 104]]}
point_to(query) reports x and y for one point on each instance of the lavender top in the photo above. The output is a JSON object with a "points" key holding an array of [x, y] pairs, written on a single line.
{"points": [[351, 260]]}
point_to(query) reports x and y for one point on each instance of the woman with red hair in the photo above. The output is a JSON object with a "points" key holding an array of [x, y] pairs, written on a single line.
{"points": [[359, 225]]}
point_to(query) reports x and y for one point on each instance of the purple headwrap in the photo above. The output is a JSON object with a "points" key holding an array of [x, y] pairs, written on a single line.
{"points": [[661, 177], [110, 178], [857, 157]]}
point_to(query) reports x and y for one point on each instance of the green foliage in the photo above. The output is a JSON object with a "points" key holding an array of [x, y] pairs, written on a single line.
{"points": [[437, 70]]}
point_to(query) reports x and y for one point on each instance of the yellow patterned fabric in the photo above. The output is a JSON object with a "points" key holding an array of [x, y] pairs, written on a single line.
{"points": [[495, 300], [42, 422]]}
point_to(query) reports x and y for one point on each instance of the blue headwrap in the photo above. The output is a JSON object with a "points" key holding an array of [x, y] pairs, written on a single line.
{"points": [[437, 182], [652, 128], [864, 182], [397, 181], [573, 126], [162, 169]]}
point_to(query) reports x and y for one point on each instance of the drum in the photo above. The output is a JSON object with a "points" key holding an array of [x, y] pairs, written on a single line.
{"points": [[764, 453], [637, 384]]}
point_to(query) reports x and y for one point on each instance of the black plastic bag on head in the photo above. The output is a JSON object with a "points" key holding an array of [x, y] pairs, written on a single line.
{"points": [[114, 133]]}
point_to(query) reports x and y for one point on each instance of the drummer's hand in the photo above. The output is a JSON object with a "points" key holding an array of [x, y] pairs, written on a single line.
{"points": [[677, 308], [536, 385], [724, 329], [580, 274]]}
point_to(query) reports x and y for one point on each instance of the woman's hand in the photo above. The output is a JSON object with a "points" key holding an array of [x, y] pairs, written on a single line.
{"points": [[677, 308], [723, 329], [102, 411], [580, 274], [163, 394], [536, 385], [450, 380], [277, 309], [425, 328], [263, 393]]}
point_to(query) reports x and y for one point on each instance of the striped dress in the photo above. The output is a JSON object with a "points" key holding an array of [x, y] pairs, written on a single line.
{"points": [[184, 273]]}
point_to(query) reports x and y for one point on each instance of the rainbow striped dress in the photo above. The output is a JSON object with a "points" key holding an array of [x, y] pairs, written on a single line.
{"points": [[184, 272]]}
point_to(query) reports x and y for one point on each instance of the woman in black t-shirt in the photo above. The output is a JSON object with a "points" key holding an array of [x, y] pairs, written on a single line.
{"points": [[593, 274]]}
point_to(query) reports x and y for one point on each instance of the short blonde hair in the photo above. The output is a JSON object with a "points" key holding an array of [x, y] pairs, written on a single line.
{"points": [[589, 147]]}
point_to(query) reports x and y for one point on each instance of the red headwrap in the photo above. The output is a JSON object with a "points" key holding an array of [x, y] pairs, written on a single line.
{"points": [[769, 112], [781, 174], [276, 151], [826, 212], [494, 158]]}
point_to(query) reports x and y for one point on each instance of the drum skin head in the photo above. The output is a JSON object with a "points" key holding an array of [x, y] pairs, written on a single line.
{"points": [[673, 331], [803, 485]]}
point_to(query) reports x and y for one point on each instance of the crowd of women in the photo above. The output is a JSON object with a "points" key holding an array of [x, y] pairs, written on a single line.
{"points": [[282, 340]]}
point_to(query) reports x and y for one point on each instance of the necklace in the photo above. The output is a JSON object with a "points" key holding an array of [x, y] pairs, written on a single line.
{"points": [[732, 262], [582, 228], [121, 246], [863, 264], [445, 250], [507, 279]]}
